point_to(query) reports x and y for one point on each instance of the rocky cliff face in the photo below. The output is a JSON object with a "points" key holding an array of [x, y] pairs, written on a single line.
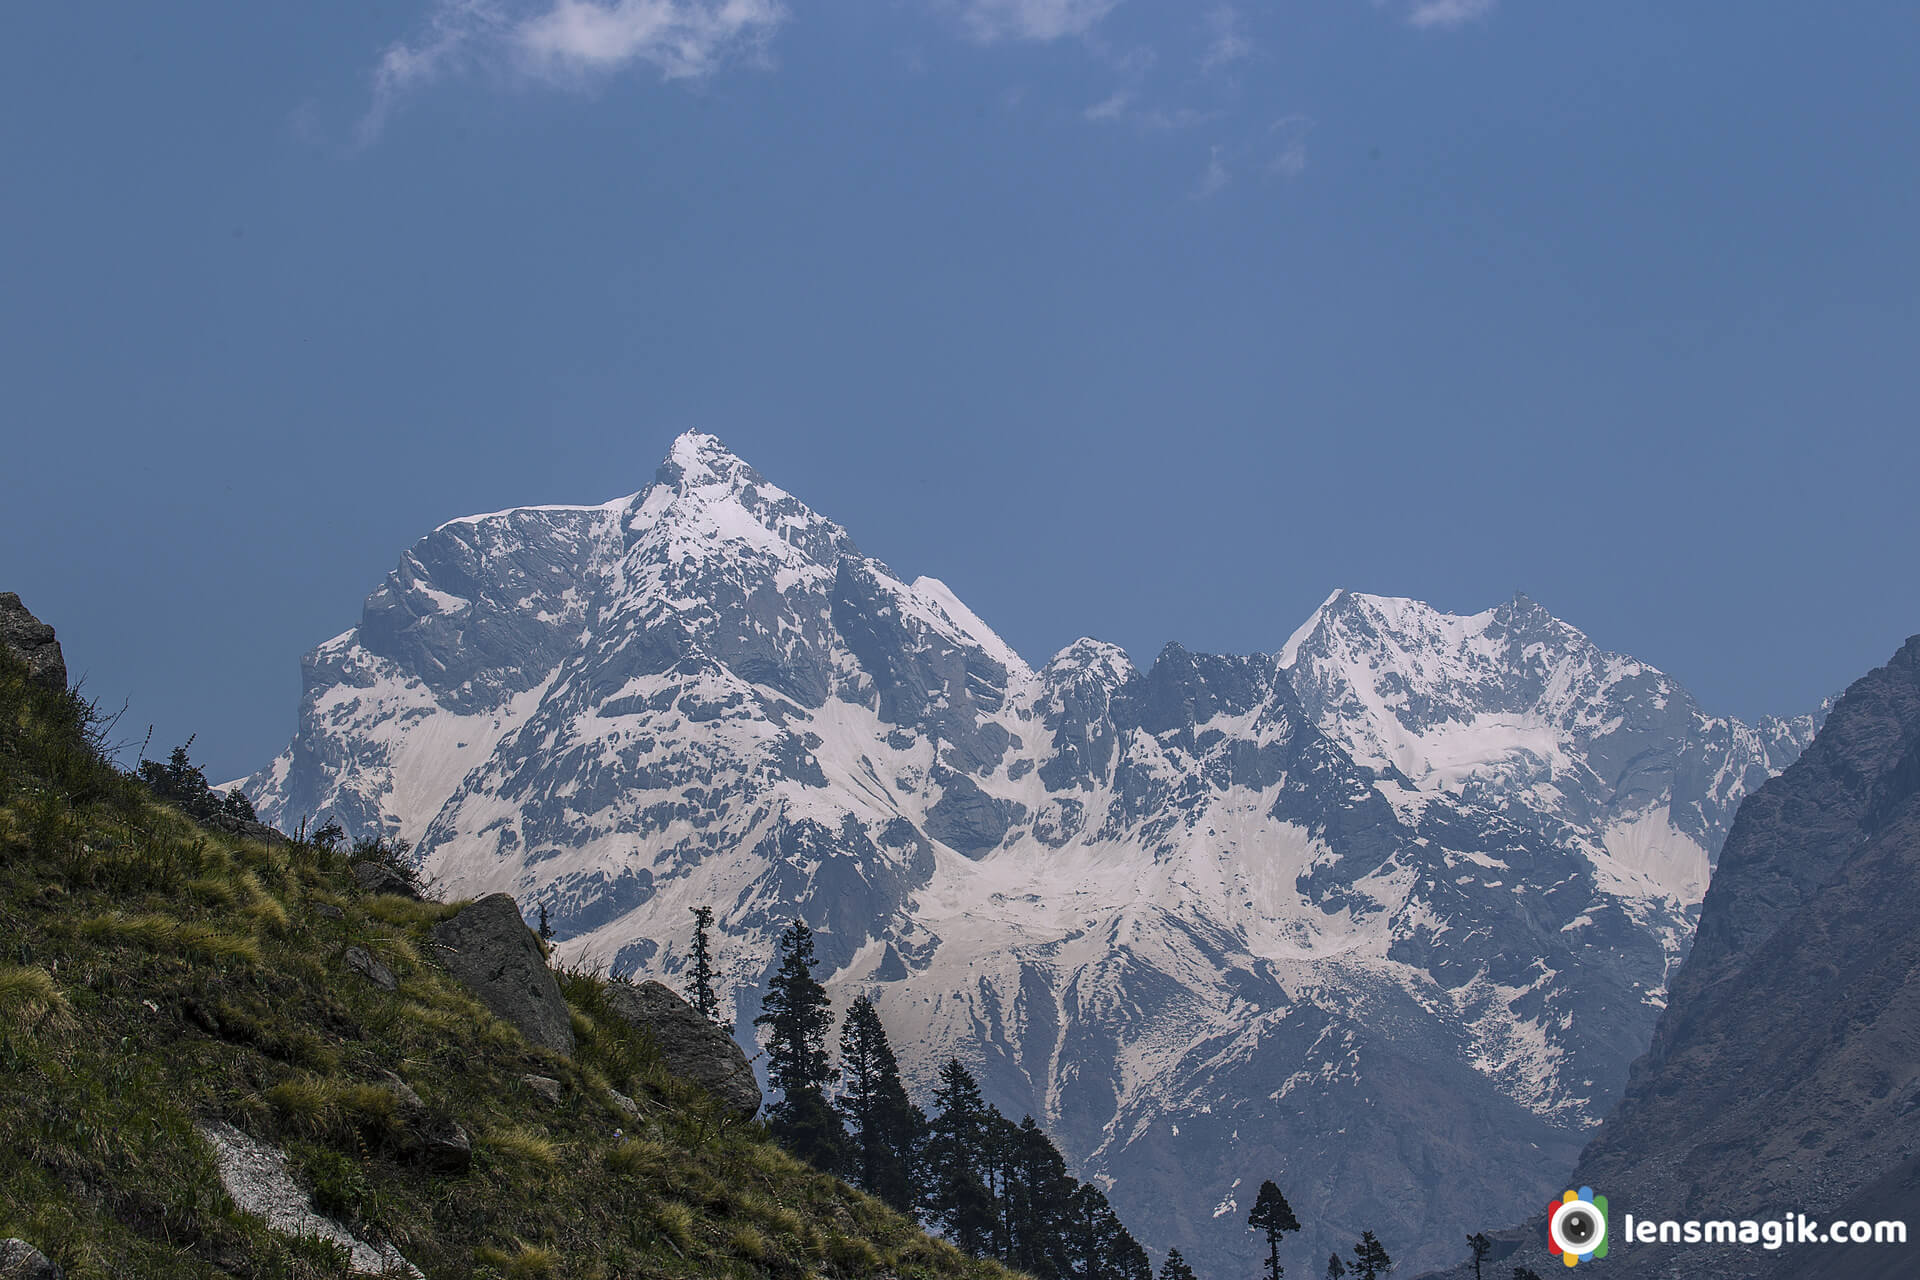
{"points": [[1785, 1074], [1384, 916], [32, 641]]}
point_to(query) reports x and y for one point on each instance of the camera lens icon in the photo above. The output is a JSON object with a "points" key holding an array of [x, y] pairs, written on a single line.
{"points": [[1577, 1226]]}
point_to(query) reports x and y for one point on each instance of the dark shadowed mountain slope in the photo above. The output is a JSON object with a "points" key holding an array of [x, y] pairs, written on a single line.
{"points": [[1784, 1076]]}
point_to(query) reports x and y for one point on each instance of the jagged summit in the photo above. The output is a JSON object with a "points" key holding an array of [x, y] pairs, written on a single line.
{"points": [[1419, 873]]}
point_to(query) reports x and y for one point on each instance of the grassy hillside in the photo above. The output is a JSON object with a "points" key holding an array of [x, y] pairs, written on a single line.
{"points": [[154, 974]]}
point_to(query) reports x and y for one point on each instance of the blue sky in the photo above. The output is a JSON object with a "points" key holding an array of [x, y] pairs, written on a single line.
{"points": [[1136, 320]]}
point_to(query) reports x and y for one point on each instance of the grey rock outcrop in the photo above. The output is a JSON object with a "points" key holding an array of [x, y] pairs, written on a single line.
{"points": [[257, 1177], [690, 1046], [432, 1139], [546, 1086], [31, 640], [376, 877], [489, 947], [21, 1261], [247, 829], [363, 963]]}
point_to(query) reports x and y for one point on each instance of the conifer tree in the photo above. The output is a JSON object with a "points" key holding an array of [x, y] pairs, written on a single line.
{"points": [[798, 1016], [1370, 1260], [1480, 1245], [1335, 1267], [546, 926], [1098, 1246], [956, 1194], [704, 998], [1176, 1268], [1036, 1197], [1273, 1215], [884, 1126], [1002, 1142]]}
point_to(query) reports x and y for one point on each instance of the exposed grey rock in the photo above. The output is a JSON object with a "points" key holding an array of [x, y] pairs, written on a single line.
{"points": [[247, 829], [257, 1178], [628, 1106], [377, 877], [401, 1090], [31, 640], [328, 911], [546, 1086], [364, 964], [690, 1046], [445, 1147], [21, 1261], [489, 947]]}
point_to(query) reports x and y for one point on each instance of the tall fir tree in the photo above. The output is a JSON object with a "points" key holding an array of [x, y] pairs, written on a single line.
{"points": [[1335, 1267], [1370, 1260], [1036, 1197], [1176, 1268], [1099, 1247], [955, 1159], [1274, 1216], [798, 1015], [704, 998], [885, 1127], [1002, 1143]]}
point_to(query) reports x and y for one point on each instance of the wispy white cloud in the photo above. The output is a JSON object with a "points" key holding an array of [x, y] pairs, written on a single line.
{"points": [[1227, 41], [1216, 178], [990, 20], [1288, 137], [1119, 108], [1448, 13], [678, 39]]}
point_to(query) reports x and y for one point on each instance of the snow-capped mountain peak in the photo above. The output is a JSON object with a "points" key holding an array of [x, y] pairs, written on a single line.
{"points": [[1401, 897]]}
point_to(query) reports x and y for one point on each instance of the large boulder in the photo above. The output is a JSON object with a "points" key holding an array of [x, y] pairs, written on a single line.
{"points": [[21, 1261], [31, 640], [690, 1046], [489, 947]]}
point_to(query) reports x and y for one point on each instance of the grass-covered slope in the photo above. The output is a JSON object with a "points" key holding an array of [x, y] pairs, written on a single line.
{"points": [[155, 975]]}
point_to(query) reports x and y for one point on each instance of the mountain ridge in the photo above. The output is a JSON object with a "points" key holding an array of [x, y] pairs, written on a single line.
{"points": [[1093, 881]]}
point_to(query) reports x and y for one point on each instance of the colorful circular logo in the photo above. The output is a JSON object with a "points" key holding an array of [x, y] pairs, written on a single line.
{"points": [[1577, 1226]]}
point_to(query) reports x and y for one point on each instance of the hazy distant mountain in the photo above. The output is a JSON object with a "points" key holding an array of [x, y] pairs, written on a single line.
{"points": [[1384, 916]]}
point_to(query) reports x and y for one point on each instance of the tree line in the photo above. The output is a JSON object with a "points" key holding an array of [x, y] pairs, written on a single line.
{"points": [[995, 1188], [1274, 1217]]}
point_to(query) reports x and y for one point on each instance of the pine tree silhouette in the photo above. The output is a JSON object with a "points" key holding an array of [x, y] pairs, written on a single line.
{"points": [[884, 1126], [704, 998], [956, 1194], [1479, 1243], [1176, 1268], [1370, 1260], [798, 1016], [1273, 1215]]}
